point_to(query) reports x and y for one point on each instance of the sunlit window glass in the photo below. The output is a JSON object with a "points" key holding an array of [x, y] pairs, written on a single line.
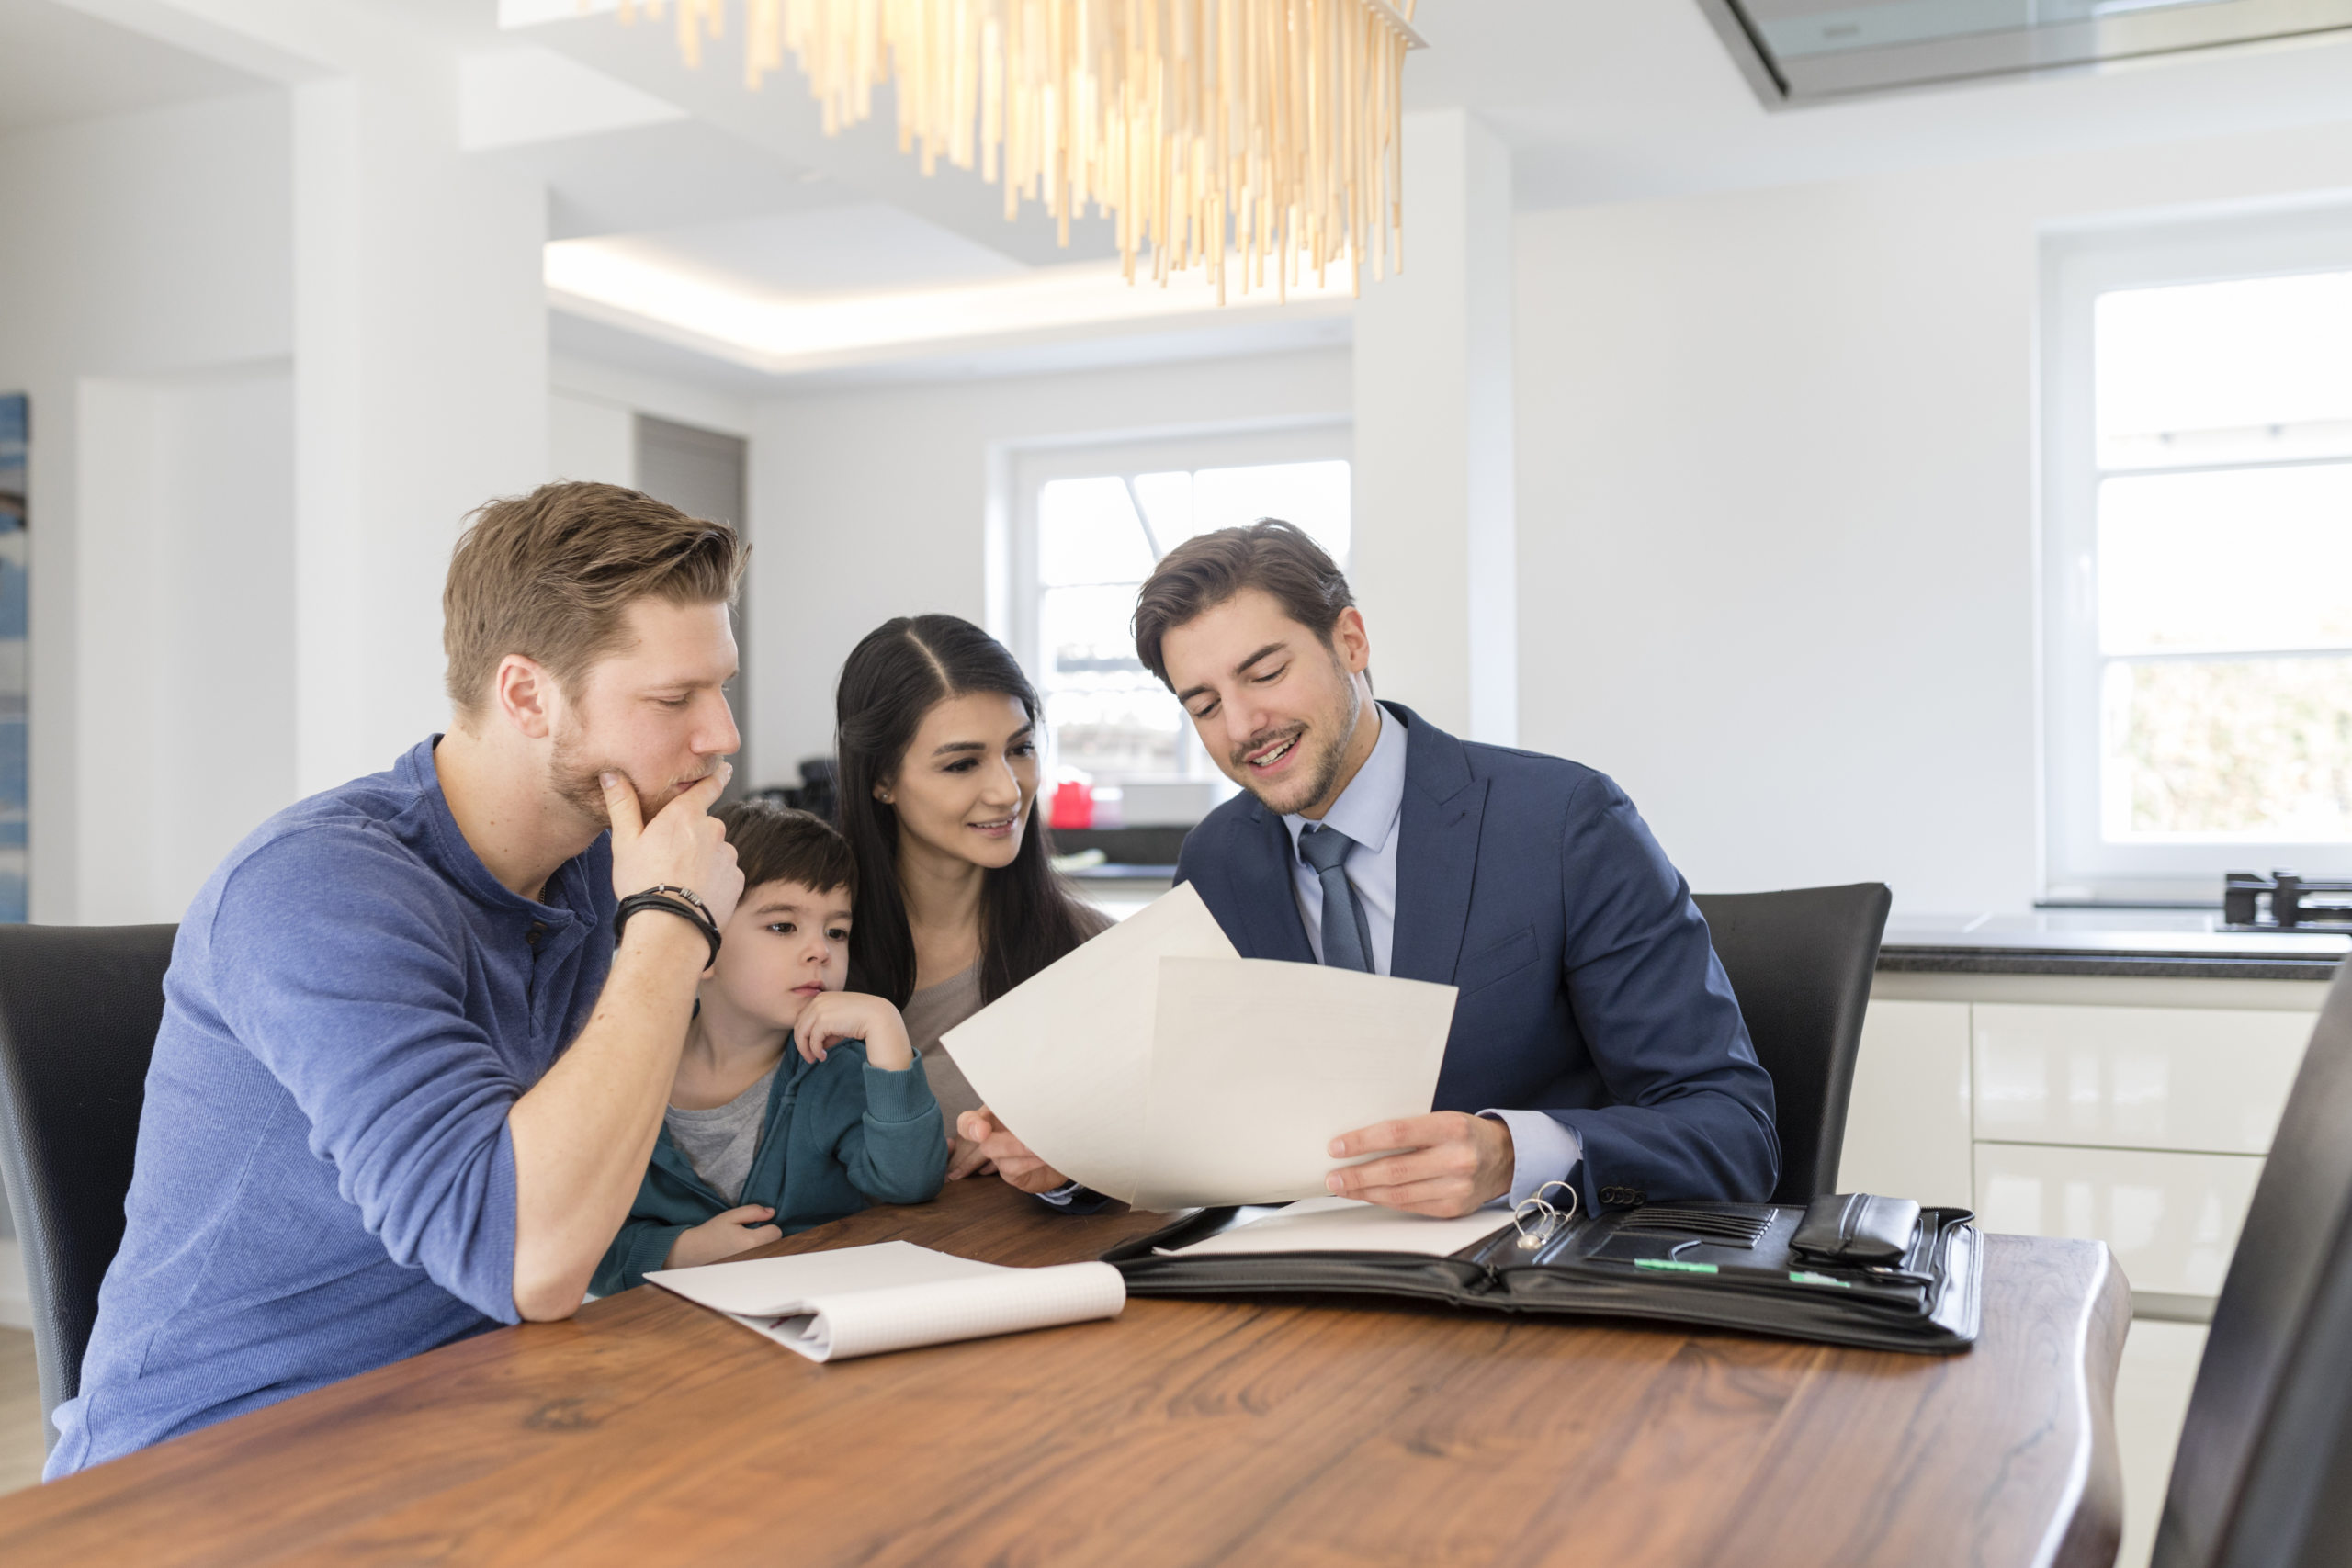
{"points": [[2225, 560], [1098, 538]]}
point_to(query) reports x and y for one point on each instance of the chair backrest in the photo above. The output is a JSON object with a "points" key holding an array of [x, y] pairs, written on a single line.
{"points": [[1801, 962], [2264, 1471], [79, 1008]]}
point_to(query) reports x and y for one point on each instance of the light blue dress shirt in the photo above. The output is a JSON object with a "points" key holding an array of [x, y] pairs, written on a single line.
{"points": [[1369, 811]]}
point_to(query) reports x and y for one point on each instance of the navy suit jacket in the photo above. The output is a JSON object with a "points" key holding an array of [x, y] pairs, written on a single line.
{"points": [[1589, 987]]}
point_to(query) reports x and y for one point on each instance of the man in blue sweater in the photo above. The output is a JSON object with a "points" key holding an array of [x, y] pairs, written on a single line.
{"points": [[406, 1086]]}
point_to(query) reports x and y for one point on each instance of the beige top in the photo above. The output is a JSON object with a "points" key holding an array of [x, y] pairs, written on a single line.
{"points": [[932, 1012], [935, 1009]]}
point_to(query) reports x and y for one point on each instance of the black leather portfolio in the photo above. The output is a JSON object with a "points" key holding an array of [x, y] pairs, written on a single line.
{"points": [[1721, 1265]]}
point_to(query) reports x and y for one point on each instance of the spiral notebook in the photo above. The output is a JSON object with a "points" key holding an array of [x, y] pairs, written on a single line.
{"points": [[894, 1295]]}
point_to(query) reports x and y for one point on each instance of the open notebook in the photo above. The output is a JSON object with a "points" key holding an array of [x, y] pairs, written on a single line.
{"points": [[1343, 1225], [862, 1301]]}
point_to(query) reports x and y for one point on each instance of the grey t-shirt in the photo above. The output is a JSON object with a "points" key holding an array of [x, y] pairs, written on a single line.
{"points": [[720, 1142]]}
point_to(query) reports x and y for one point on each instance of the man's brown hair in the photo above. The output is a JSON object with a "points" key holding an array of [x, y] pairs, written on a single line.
{"points": [[550, 576], [776, 843], [1205, 570]]}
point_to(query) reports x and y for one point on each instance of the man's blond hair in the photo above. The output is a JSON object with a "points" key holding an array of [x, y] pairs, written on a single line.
{"points": [[550, 576]]}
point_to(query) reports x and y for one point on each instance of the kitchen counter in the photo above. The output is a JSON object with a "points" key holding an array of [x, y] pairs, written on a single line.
{"points": [[2150, 944]]}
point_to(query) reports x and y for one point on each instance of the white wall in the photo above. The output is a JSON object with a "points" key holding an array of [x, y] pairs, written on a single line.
{"points": [[871, 503], [421, 387], [1777, 503], [194, 279], [593, 410], [186, 543], [142, 246], [591, 440]]}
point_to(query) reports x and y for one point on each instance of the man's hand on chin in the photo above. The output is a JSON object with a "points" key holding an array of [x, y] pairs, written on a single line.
{"points": [[1448, 1163]]}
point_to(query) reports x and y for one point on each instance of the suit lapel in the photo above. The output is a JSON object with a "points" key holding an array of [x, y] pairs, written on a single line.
{"points": [[1437, 851], [1261, 887]]}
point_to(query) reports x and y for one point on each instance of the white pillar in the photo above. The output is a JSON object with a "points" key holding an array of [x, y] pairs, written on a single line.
{"points": [[421, 380], [1434, 553]]}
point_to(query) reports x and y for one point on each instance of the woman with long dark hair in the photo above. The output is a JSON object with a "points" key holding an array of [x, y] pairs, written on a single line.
{"points": [[956, 904]]}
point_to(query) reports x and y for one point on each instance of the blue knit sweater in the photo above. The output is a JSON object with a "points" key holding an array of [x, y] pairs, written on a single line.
{"points": [[325, 1180]]}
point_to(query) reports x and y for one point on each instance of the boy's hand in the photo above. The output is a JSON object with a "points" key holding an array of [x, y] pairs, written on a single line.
{"points": [[1013, 1160], [832, 1017], [723, 1236], [684, 846]]}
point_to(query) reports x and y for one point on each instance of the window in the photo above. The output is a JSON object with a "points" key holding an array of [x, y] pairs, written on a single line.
{"points": [[2199, 568], [1092, 524]]}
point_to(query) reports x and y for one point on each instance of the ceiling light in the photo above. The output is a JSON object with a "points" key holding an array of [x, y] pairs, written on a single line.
{"points": [[633, 283], [1271, 127]]}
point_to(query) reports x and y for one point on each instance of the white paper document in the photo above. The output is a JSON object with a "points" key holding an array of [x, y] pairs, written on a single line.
{"points": [[1155, 1065], [862, 1301], [1342, 1224]]}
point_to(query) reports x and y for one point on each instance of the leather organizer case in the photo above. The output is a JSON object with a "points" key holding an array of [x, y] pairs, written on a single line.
{"points": [[1718, 1265]]}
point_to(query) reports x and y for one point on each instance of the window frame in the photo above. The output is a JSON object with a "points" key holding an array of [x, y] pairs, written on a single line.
{"points": [[2078, 863], [1015, 611]]}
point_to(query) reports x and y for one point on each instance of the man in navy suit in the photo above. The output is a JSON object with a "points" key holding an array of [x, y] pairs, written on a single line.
{"points": [[1596, 1039]]}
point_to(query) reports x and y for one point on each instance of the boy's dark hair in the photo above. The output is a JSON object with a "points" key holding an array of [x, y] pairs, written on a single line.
{"points": [[776, 843], [1205, 571]]}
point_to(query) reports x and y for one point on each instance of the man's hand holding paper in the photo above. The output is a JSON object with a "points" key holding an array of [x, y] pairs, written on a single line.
{"points": [[1445, 1164], [1156, 1066]]}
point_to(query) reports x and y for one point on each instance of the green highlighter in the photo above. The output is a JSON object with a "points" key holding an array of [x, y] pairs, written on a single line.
{"points": [[1800, 1277]]}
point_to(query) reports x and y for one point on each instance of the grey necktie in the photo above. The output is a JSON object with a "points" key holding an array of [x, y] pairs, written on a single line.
{"points": [[1346, 939]]}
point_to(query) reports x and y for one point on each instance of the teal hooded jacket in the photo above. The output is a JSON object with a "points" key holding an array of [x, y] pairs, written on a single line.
{"points": [[840, 1133]]}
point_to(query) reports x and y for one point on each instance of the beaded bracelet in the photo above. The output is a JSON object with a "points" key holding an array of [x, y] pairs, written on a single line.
{"points": [[661, 898]]}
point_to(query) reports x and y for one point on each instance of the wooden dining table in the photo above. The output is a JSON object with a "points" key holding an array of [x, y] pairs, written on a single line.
{"points": [[647, 1430]]}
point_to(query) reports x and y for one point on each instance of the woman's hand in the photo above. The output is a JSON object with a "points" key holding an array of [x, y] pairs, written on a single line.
{"points": [[832, 1017], [723, 1236], [966, 1158], [1013, 1160]]}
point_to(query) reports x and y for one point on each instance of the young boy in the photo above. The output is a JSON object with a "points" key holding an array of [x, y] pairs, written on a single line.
{"points": [[796, 1102]]}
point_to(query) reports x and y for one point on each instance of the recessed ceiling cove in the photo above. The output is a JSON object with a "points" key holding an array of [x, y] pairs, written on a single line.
{"points": [[1799, 51]]}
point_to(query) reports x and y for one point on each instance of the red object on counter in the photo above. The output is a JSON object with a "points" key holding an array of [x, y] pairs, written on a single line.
{"points": [[1073, 805]]}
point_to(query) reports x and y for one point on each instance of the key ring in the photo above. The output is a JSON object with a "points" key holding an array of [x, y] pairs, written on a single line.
{"points": [[1538, 1220]]}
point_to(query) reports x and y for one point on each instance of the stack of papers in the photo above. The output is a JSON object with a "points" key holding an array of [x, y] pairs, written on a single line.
{"points": [[862, 1301], [1342, 1224], [1157, 1065]]}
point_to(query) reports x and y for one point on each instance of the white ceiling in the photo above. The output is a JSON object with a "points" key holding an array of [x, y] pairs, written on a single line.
{"points": [[1615, 100], [58, 64], [1601, 100]]}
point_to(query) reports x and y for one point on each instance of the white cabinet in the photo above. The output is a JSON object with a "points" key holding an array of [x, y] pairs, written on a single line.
{"points": [[2207, 1079], [1907, 1123], [2151, 1389], [2128, 1111], [2172, 1220]]}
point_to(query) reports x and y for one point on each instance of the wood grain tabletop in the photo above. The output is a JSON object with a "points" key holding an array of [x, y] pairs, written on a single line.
{"points": [[649, 1431]]}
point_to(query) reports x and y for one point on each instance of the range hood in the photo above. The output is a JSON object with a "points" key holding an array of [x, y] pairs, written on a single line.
{"points": [[1799, 51]]}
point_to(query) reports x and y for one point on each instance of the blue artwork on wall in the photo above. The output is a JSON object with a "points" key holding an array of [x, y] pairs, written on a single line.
{"points": [[15, 430]]}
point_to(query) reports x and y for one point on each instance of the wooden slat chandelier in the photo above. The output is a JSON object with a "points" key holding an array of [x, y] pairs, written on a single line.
{"points": [[1271, 129]]}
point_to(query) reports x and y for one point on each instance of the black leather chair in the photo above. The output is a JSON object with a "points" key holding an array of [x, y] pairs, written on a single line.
{"points": [[1801, 962], [79, 1008], [2263, 1473]]}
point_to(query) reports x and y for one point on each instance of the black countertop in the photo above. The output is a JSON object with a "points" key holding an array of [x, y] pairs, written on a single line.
{"points": [[2138, 944]]}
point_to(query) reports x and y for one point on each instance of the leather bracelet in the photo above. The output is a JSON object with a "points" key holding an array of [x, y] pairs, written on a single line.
{"points": [[688, 894], [660, 899]]}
